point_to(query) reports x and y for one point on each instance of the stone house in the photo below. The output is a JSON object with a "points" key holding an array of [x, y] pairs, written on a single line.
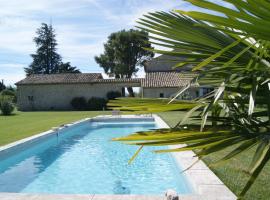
{"points": [[55, 91], [164, 80]]}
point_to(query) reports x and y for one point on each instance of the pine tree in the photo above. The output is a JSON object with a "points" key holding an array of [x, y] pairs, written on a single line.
{"points": [[47, 60]]}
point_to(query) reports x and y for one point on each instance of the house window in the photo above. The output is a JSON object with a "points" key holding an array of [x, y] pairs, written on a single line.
{"points": [[207, 90], [30, 98], [161, 95]]}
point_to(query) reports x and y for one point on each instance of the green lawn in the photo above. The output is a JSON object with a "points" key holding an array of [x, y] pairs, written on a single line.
{"points": [[25, 124], [233, 173]]}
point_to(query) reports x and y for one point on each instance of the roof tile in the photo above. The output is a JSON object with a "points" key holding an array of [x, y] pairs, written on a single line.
{"points": [[60, 78], [166, 79]]}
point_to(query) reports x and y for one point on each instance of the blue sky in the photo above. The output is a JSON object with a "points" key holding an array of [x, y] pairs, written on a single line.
{"points": [[82, 26]]}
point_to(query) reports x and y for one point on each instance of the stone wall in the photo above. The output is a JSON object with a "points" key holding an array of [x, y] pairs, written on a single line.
{"points": [[59, 96]]}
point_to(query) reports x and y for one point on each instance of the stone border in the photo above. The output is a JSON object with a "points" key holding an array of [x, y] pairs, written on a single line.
{"points": [[206, 185]]}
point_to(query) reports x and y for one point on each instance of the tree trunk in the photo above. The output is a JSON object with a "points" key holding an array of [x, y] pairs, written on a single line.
{"points": [[130, 92], [123, 92], [130, 89]]}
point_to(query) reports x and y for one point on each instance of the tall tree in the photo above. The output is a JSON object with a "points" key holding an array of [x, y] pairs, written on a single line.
{"points": [[46, 60], [124, 52], [2, 85]]}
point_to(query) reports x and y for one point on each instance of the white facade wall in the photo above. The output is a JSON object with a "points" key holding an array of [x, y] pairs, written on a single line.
{"points": [[59, 96]]}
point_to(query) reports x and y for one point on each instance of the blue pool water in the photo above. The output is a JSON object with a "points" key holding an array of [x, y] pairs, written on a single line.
{"points": [[83, 160]]}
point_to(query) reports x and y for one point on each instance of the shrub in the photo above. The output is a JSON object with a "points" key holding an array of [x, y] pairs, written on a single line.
{"points": [[9, 94], [113, 95], [79, 103], [96, 103], [5, 98], [6, 107]]}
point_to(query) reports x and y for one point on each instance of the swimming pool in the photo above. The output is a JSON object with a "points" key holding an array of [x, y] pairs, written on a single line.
{"points": [[82, 159]]}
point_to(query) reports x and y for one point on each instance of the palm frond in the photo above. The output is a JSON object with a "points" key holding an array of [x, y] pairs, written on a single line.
{"points": [[230, 51]]}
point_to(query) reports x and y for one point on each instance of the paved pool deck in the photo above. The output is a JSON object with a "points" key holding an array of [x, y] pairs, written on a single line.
{"points": [[206, 185], [12, 196]]}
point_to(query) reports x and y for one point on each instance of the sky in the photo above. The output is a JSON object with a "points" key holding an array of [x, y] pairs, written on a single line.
{"points": [[82, 27]]}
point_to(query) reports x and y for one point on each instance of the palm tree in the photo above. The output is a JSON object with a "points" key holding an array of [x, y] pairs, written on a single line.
{"points": [[230, 50]]}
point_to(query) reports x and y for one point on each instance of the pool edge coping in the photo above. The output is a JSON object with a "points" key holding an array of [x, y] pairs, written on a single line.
{"points": [[213, 190], [34, 137]]}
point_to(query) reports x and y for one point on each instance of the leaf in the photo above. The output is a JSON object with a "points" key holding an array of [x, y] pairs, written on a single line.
{"points": [[246, 145], [188, 114], [208, 144], [260, 153], [252, 96], [216, 55], [135, 155], [223, 144], [180, 92], [238, 56], [219, 92], [256, 171]]}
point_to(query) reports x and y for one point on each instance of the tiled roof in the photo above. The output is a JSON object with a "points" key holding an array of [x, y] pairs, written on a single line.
{"points": [[152, 79], [166, 79], [165, 63], [60, 78], [120, 80]]}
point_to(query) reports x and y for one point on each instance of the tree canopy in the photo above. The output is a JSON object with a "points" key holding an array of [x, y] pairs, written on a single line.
{"points": [[124, 52], [67, 68], [46, 60]]}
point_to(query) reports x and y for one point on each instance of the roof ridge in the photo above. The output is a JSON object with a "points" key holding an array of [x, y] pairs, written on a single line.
{"points": [[61, 78]]}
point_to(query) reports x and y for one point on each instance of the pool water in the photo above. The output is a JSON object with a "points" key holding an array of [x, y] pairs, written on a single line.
{"points": [[83, 160]]}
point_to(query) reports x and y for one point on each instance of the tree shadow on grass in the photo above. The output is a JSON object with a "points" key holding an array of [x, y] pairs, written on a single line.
{"points": [[12, 114]]}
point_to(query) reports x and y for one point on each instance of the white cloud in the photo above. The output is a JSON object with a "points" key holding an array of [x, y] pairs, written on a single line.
{"points": [[12, 65], [24, 7], [11, 72], [135, 9], [11, 79], [16, 34]]}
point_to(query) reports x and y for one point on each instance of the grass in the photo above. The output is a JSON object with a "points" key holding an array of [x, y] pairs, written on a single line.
{"points": [[25, 124], [233, 173]]}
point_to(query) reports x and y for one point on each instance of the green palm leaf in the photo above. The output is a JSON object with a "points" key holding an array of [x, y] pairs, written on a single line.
{"points": [[230, 51]]}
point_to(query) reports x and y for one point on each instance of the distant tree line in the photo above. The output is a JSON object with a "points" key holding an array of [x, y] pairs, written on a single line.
{"points": [[46, 60]]}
